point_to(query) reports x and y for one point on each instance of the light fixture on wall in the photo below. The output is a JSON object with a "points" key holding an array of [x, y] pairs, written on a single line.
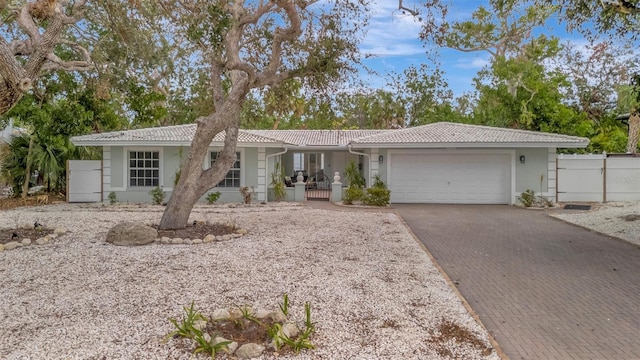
{"points": [[380, 159], [522, 159]]}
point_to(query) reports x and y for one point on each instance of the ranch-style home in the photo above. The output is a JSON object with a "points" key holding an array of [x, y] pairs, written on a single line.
{"points": [[435, 163]]}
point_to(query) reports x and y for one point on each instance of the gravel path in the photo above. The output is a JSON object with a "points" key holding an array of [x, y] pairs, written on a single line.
{"points": [[78, 297], [621, 220]]}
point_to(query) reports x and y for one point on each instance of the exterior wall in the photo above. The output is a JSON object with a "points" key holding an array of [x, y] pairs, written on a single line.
{"points": [[536, 165], [382, 167], [115, 174]]}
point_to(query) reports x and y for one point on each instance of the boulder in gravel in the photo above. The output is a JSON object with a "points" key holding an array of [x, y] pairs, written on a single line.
{"points": [[209, 238], [26, 241], [196, 241], [11, 245], [42, 241], [241, 231], [1, 247], [131, 234], [177, 241], [249, 351]]}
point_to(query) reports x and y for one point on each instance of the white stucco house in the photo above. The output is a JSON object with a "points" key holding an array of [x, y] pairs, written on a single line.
{"points": [[435, 163]]}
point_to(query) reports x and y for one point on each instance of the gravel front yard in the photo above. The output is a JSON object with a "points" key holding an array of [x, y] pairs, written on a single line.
{"points": [[621, 220], [374, 292]]}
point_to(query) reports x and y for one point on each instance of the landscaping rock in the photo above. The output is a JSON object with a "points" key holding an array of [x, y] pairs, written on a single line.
{"points": [[1, 247], [200, 324], [218, 238], [26, 226], [177, 241], [165, 240], [52, 236], [249, 351], [242, 231], [231, 347], [187, 242], [290, 330], [42, 241], [11, 245], [131, 234], [196, 241], [226, 237], [278, 316], [220, 314], [209, 238], [60, 230], [26, 241], [262, 314]]}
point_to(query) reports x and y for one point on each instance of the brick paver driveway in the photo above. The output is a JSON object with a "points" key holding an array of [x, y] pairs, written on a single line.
{"points": [[543, 288]]}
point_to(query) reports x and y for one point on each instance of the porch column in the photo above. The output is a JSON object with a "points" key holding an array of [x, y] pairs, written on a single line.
{"points": [[299, 188], [336, 188], [374, 165], [106, 172], [261, 189], [551, 175]]}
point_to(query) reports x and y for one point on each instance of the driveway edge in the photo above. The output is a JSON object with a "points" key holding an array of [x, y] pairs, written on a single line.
{"points": [[464, 301]]}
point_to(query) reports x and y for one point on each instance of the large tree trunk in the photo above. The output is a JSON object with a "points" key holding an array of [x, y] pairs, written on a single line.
{"points": [[634, 132], [194, 180]]}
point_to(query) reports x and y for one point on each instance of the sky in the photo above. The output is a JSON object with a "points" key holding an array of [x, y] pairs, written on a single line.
{"points": [[393, 39]]}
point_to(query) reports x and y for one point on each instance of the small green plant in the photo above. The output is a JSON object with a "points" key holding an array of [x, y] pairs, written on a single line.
{"points": [[213, 197], [527, 198], [208, 346], [353, 176], [307, 319], [378, 194], [186, 328], [277, 182], [112, 198], [352, 194], [275, 333], [284, 306], [157, 195]]}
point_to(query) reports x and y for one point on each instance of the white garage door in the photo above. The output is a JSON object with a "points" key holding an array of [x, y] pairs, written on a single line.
{"points": [[450, 178]]}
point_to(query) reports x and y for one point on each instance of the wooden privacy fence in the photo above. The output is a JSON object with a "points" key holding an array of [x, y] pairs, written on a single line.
{"points": [[597, 178]]}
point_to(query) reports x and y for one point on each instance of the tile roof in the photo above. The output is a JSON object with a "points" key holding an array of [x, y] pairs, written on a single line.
{"points": [[436, 134], [452, 133], [169, 134], [317, 137]]}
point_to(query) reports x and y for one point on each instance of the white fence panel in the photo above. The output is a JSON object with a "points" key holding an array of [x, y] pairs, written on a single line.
{"points": [[84, 181], [580, 178], [623, 179]]}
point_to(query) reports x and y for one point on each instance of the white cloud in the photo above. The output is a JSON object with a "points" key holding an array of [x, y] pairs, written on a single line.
{"points": [[392, 34], [472, 63]]}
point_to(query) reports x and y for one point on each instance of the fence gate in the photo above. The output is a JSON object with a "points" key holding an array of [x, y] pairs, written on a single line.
{"points": [[84, 181], [580, 178]]}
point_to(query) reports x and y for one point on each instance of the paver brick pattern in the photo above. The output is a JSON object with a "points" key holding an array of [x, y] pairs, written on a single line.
{"points": [[545, 289]]}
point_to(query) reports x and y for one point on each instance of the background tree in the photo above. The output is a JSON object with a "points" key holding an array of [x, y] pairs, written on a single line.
{"points": [[425, 96], [620, 18], [629, 100], [32, 36]]}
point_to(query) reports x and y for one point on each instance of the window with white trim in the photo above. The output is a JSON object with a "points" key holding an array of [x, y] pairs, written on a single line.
{"points": [[233, 176], [144, 168]]}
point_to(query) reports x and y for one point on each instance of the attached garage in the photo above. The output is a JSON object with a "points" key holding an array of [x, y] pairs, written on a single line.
{"points": [[450, 178]]}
